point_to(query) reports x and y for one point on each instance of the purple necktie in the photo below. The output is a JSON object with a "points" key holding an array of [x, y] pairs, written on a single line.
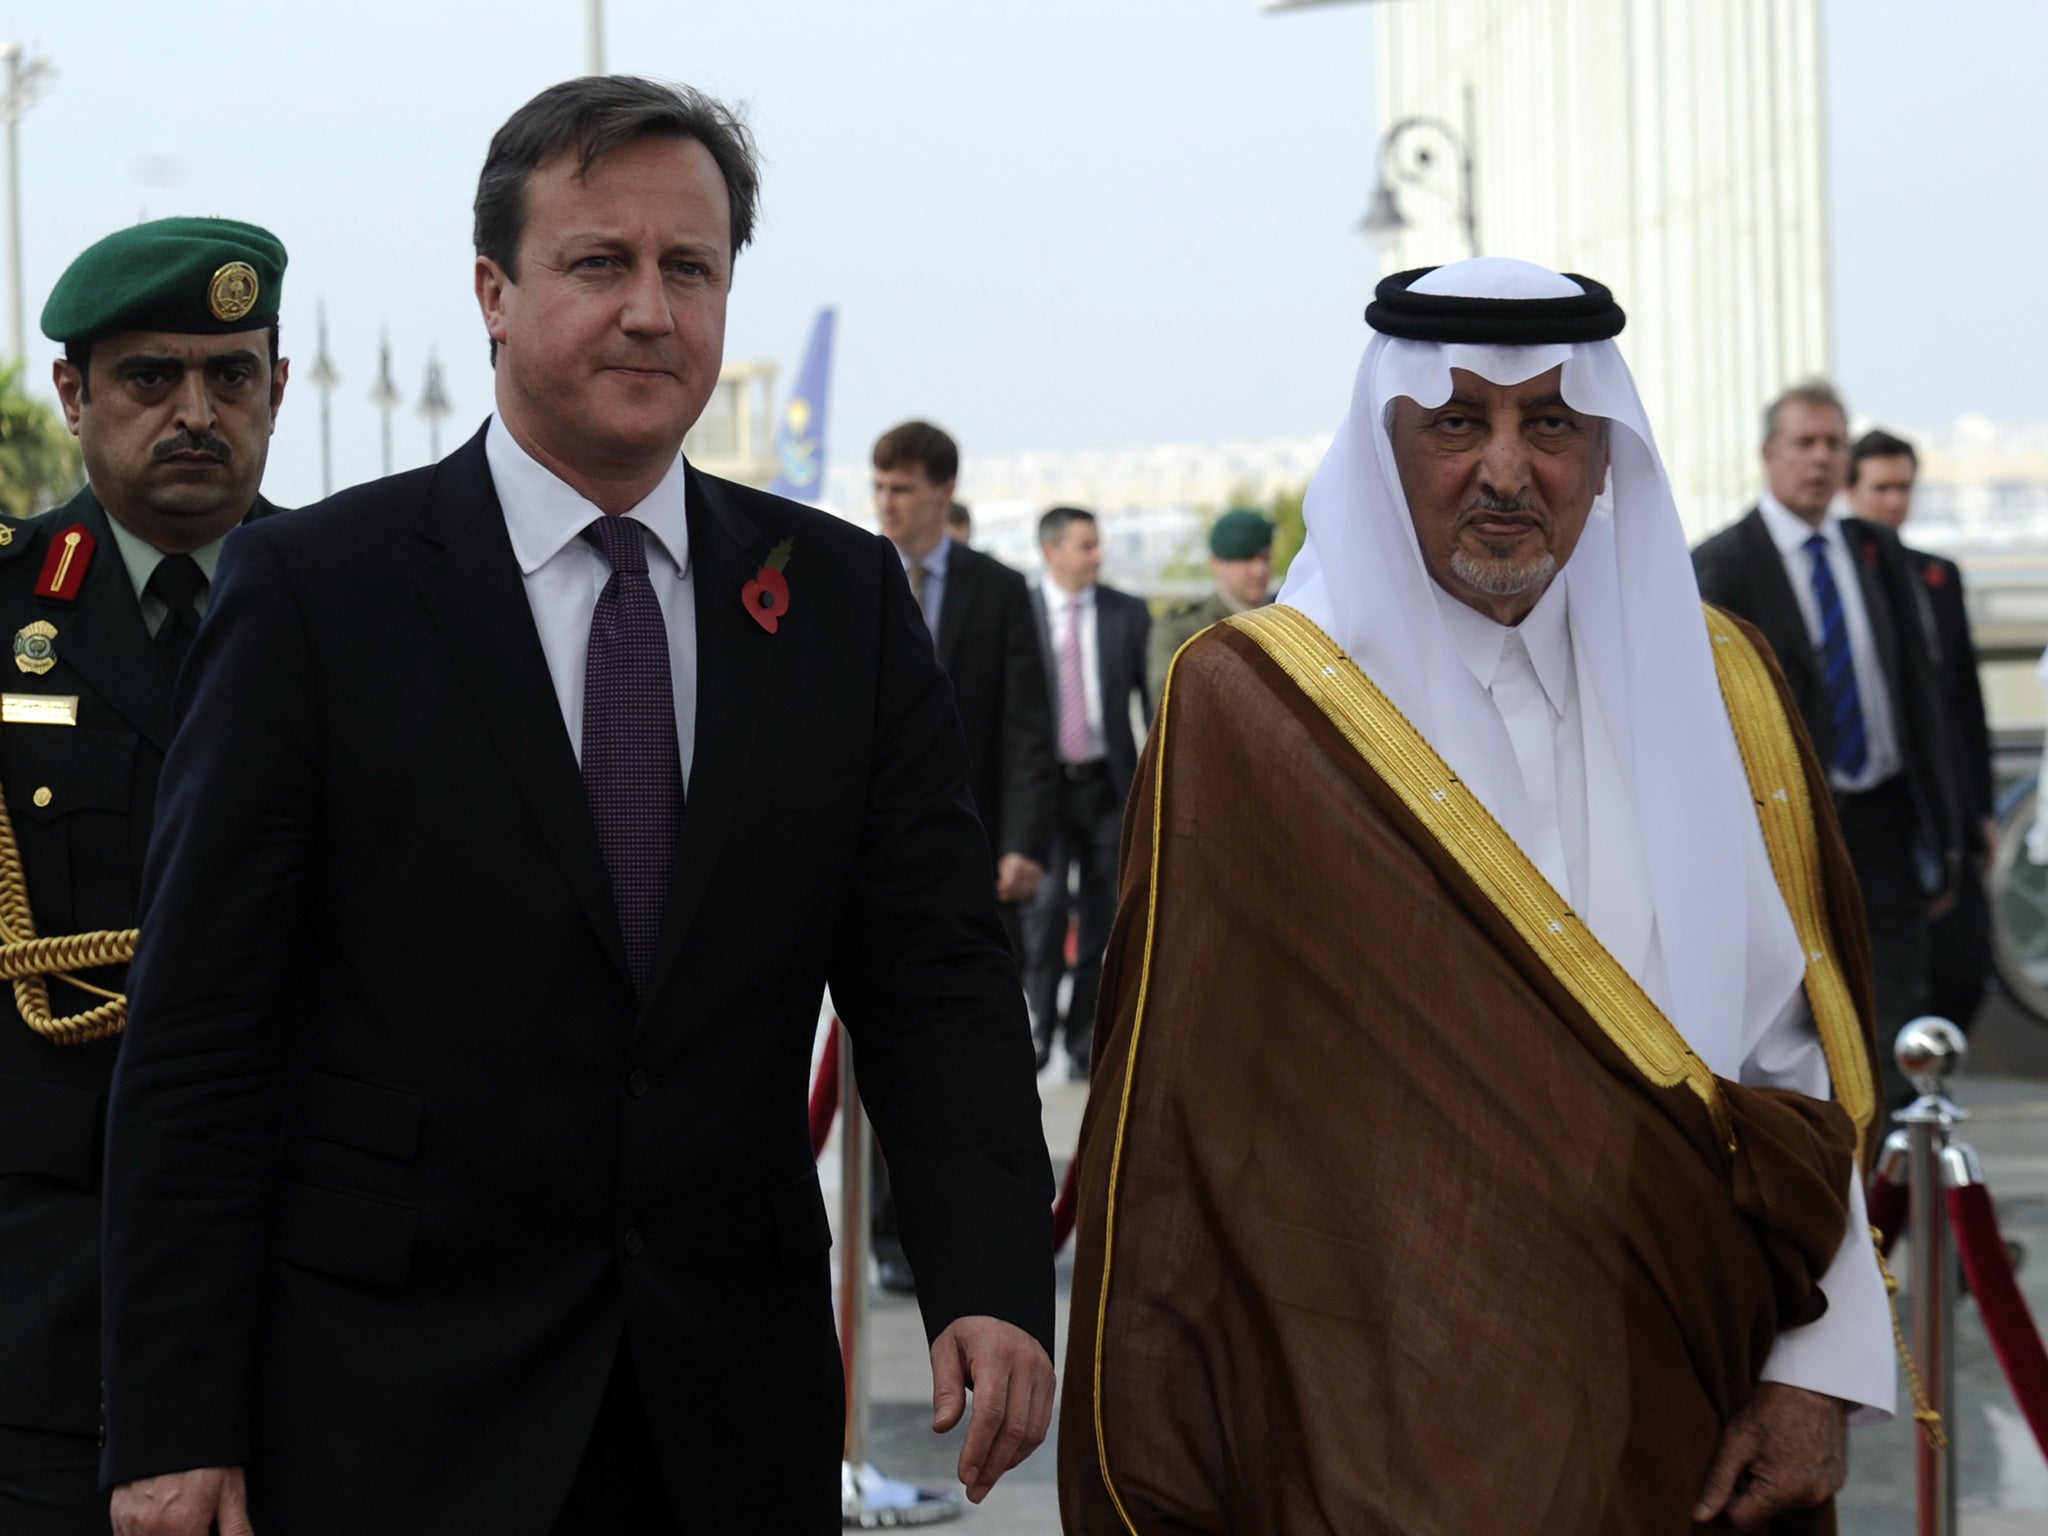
{"points": [[632, 767]]}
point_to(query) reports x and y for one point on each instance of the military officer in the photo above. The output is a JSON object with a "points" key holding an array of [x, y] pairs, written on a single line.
{"points": [[171, 382], [1241, 559]]}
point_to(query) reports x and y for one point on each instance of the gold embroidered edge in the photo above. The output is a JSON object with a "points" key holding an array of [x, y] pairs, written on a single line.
{"points": [[1456, 818], [1784, 810], [1123, 1110]]}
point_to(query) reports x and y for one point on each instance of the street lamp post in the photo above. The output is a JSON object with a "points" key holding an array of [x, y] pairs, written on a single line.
{"points": [[1409, 157], [435, 407], [384, 393], [25, 81], [594, 35], [324, 380]]}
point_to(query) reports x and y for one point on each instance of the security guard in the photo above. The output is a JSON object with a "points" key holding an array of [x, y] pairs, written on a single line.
{"points": [[1241, 559], [171, 382]]}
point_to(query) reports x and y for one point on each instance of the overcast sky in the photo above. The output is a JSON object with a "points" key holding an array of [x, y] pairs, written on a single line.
{"points": [[1055, 225]]}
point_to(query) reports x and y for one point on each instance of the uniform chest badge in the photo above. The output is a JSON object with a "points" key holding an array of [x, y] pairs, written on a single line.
{"points": [[35, 648]]}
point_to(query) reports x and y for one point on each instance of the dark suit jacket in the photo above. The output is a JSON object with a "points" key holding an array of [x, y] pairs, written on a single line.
{"points": [[988, 648], [1955, 662], [1123, 626], [397, 1157], [82, 856], [1740, 569]]}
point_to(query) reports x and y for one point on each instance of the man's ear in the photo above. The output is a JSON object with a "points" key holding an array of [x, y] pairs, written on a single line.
{"points": [[278, 377], [70, 391], [491, 283]]}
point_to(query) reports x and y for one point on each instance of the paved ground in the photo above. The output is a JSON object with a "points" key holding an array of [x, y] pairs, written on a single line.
{"points": [[2004, 1479]]}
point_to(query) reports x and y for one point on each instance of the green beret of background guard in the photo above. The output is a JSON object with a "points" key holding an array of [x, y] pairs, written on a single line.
{"points": [[196, 277], [1240, 533]]}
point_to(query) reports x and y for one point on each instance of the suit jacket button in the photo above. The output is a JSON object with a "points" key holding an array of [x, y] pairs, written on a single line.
{"points": [[636, 1085], [633, 1243]]}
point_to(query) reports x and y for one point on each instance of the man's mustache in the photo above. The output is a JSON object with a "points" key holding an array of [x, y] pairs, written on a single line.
{"points": [[193, 442], [1486, 501]]}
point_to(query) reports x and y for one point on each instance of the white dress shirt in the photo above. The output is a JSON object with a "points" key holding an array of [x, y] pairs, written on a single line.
{"points": [[1583, 839], [1790, 532], [142, 558], [1064, 609], [564, 574]]}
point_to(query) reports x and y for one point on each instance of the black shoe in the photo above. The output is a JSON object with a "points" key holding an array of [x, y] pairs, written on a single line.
{"points": [[893, 1275]]}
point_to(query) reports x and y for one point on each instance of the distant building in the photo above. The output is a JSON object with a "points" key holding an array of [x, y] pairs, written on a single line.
{"points": [[1154, 503], [735, 437]]}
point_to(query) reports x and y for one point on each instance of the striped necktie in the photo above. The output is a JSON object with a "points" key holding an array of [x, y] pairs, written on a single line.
{"points": [[1851, 749]]}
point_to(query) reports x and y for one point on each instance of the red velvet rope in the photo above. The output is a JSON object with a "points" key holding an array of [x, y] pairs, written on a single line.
{"points": [[825, 1093], [2014, 1339], [825, 1109], [1063, 1207], [1888, 1204]]}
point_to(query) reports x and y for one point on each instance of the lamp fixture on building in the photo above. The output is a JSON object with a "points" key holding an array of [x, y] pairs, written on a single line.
{"points": [[1411, 155]]}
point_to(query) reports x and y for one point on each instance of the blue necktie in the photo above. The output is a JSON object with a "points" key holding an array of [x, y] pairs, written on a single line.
{"points": [[632, 764], [1851, 754]]}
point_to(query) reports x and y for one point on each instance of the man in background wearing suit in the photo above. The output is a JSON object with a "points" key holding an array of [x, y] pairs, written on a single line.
{"points": [[520, 811], [1839, 605], [979, 611], [1094, 640], [171, 381], [1882, 469]]}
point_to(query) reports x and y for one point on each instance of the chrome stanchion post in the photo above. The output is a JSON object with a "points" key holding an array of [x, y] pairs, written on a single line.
{"points": [[867, 1499], [1929, 1051]]}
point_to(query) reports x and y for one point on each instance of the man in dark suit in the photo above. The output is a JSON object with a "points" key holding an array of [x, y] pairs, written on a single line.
{"points": [[1882, 469], [519, 812], [171, 382], [980, 613], [1839, 605], [1094, 640]]}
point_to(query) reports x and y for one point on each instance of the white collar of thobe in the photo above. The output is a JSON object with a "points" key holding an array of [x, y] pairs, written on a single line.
{"points": [[1545, 632], [544, 514]]}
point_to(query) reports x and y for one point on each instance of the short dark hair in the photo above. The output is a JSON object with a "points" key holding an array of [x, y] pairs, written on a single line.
{"points": [[959, 515], [1811, 392], [1052, 527], [78, 353], [922, 444], [1879, 444], [593, 115]]}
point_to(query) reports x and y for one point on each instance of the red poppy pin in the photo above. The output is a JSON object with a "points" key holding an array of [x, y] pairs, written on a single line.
{"points": [[1937, 578], [767, 595]]}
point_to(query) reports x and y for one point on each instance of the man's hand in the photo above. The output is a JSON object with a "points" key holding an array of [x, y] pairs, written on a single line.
{"points": [[1787, 1449], [1012, 1382], [184, 1504], [1017, 877]]}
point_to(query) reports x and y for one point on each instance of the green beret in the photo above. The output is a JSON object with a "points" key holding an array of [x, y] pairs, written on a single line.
{"points": [[1240, 533], [197, 277]]}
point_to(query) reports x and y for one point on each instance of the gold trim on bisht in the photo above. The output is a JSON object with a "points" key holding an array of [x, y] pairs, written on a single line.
{"points": [[1777, 782], [1456, 818]]}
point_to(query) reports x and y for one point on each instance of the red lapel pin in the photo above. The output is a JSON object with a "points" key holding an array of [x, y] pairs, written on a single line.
{"points": [[767, 595]]}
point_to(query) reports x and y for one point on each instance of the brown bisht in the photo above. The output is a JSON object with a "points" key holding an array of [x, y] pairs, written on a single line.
{"points": [[1381, 1228]]}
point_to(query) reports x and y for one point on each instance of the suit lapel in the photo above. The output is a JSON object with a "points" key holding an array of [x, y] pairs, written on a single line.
{"points": [[477, 599], [960, 578], [1783, 623], [734, 657], [1877, 605], [102, 635]]}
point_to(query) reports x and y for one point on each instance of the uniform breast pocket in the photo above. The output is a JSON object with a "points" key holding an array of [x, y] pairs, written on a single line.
{"points": [[69, 795]]}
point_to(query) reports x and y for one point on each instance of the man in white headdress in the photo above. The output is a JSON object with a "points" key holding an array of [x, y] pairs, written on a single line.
{"points": [[1474, 1136]]}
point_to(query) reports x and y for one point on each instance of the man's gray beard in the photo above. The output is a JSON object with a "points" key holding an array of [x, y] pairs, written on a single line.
{"points": [[1501, 577]]}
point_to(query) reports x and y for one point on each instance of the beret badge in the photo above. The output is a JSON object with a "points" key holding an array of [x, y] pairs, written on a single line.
{"points": [[232, 294]]}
